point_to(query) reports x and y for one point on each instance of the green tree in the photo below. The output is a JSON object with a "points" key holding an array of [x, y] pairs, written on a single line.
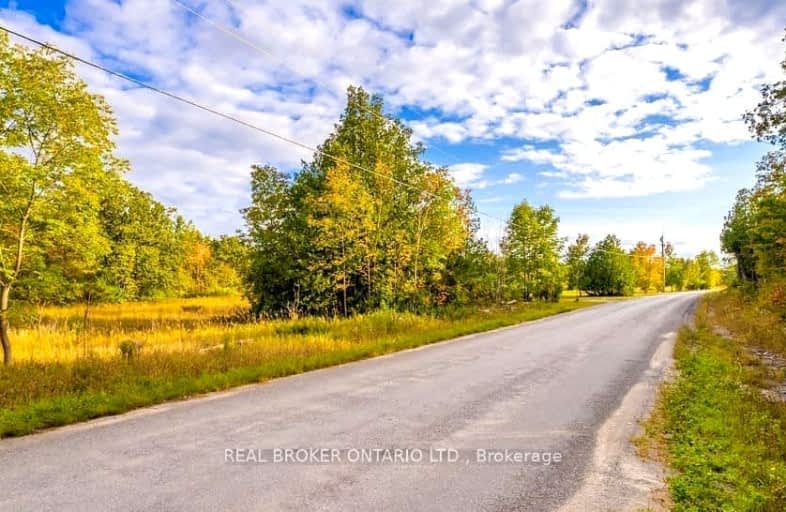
{"points": [[737, 235], [675, 273], [609, 270], [229, 263], [576, 262], [56, 152], [472, 273], [769, 222], [365, 224], [753, 229], [708, 264], [276, 244], [532, 250]]}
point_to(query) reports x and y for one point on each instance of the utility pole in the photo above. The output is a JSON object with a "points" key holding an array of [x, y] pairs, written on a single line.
{"points": [[663, 257]]}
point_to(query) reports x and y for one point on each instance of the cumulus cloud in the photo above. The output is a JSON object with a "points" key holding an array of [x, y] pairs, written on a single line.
{"points": [[623, 99], [468, 175]]}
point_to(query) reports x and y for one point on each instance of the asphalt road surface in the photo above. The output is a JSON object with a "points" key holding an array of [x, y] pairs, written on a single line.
{"points": [[444, 413]]}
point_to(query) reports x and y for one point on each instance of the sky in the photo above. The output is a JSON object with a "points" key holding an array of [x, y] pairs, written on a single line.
{"points": [[624, 116]]}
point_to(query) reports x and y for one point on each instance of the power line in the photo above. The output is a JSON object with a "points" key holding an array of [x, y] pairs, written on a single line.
{"points": [[247, 124], [210, 110], [238, 36], [230, 32]]}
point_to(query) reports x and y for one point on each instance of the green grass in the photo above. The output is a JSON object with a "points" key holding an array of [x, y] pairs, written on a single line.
{"points": [[725, 442], [38, 394]]}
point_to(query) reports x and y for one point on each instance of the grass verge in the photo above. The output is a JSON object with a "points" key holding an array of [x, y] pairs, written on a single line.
{"points": [[724, 441], [40, 394]]}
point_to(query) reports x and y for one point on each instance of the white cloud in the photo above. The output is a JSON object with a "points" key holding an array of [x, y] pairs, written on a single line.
{"points": [[512, 178], [589, 79], [468, 175]]}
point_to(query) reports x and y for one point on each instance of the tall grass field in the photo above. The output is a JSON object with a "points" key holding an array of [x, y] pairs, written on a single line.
{"points": [[80, 362]]}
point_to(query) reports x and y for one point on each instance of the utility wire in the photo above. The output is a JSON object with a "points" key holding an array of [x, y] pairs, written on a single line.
{"points": [[247, 124], [210, 110], [230, 32], [238, 36]]}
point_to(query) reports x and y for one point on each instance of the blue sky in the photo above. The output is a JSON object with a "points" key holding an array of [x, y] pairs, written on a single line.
{"points": [[626, 119]]}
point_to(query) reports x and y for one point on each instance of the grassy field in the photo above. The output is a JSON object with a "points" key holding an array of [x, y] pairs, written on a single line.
{"points": [[716, 425], [60, 334], [74, 364]]}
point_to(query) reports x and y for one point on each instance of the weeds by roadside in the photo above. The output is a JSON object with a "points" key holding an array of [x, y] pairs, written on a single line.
{"points": [[723, 438], [111, 378]]}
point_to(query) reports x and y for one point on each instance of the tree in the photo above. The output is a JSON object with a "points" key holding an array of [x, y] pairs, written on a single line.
{"points": [[148, 247], [532, 249], [472, 273], [769, 221], [737, 235], [609, 270], [767, 121], [675, 272], [343, 218], [230, 263], [753, 229], [647, 266], [365, 224], [275, 243], [709, 274], [576, 262], [56, 140]]}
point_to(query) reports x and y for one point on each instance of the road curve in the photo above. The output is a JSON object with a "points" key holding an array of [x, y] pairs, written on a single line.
{"points": [[537, 389]]}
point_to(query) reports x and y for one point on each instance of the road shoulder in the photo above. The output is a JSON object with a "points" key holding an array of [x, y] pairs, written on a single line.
{"points": [[619, 479]]}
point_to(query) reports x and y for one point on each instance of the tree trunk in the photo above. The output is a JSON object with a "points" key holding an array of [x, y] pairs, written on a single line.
{"points": [[5, 338], [5, 288], [344, 275]]}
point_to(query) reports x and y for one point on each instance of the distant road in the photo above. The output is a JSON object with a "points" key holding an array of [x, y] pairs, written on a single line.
{"points": [[537, 389]]}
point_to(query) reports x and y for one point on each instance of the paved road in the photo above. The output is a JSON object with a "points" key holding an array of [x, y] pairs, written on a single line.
{"points": [[539, 388]]}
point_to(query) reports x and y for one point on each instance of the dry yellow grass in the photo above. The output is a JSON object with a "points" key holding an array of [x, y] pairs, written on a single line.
{"points": [[69, 332], [70, 369], [201, 325]]}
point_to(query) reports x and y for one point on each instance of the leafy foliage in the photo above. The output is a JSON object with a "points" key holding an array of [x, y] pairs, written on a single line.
{"points": [[767, 121], [370, 226], [576, 261], [647, 267], [71, 228], [532, 250], [55, 154], [609, 270], [699, 273], [754, 228]]}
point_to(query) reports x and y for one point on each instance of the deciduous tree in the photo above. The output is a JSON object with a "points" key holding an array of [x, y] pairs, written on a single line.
{"points": [[576, 262], [56, 151], [532, 248], [609, 270]]}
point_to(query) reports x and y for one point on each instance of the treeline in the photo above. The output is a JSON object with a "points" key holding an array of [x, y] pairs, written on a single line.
{"points": [[755, 228], [607, 269], [130, 247], [368, 224], [71, 227]]}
